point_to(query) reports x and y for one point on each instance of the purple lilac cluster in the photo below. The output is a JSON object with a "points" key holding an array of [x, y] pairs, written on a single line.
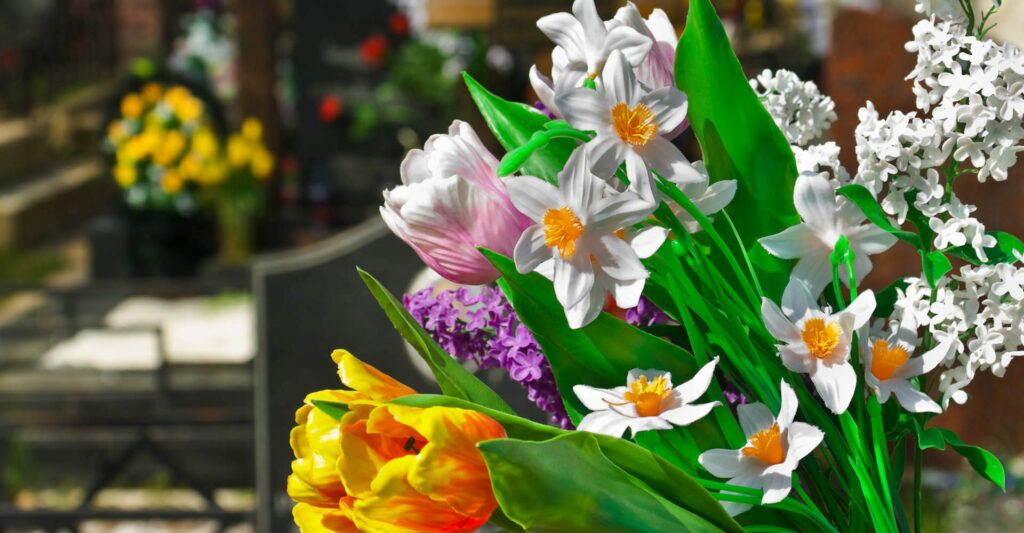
{"points": [[645, 314], [480, 325]]}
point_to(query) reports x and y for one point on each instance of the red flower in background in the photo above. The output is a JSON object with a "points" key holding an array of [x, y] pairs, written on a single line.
{"points": [[374, 50], [330, 108], [398, 23]]}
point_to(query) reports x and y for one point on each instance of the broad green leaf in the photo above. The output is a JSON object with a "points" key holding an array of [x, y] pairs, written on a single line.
{"points": [[1002, 252], [570, 483], [934, 265], [724, 110], [665, 479], [862, 198], [981, 460], [514, 123], [451, 377], [334, 410], [600, 354]]}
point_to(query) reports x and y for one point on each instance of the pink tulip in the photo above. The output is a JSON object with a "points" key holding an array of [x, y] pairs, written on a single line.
{"points": [[451, 202]]}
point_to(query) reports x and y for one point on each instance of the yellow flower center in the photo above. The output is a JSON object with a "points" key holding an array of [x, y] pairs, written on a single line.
{"points": [[635, 126], [766, 445], [886, 359], [561, 229], [820, 337], [647, 395]]}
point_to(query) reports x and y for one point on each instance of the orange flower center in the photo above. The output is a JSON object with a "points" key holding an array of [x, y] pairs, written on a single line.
{"points": [[820, 337], [886, 359], [635, 126], [766, 445], [647, 395], [561, 229]]}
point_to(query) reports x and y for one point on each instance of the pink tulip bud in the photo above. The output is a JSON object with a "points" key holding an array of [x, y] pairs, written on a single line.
{"points": [[451, 202]]}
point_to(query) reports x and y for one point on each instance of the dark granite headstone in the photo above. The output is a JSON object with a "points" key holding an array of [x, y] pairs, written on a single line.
{"points": [[309, 303], [348, 175]]}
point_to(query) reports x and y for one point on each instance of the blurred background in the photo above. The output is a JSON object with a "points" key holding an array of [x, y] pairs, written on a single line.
{"points": [[187, 186]]}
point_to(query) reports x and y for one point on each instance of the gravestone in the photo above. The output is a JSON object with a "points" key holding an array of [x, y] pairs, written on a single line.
{"points": [[345, 174], [308, 303]]}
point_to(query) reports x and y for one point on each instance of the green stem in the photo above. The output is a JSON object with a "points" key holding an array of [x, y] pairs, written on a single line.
{"points": [[881, 452], [917, 488]]}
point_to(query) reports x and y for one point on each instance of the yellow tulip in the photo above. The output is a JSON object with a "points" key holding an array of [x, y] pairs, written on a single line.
{"points": [[171, 182], [252, 129], [151, 92], [175, 95], [125, 175], [170, 148], [132, 106], [262, 163], [191, 167], [189, 109], [204, 143], [385, 467], [239, 151], [214, 173], [116, 132]]}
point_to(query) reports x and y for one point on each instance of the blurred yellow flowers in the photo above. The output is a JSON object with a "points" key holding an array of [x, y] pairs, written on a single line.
{"points": [[363, 464]]}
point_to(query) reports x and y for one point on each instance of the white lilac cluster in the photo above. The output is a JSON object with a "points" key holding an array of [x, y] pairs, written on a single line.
{"points": [[974, 92], [980, 311], [798, 107]]}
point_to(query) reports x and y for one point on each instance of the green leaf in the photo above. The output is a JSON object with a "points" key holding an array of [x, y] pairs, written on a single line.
{"points": [[934, 265], [1002, 252], [451, 377], [671, 483], [334, 410], [514, 123], [739, 138], [573, 483], [981, 460], [862, 198]]}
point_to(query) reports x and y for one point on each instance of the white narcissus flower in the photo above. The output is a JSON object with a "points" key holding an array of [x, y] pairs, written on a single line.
{"points": [[775, 446], [630, 125], [888, 365], [585, 42], [647, 402], [813, 240], [451, 202], [817, 343], [577, 227]]}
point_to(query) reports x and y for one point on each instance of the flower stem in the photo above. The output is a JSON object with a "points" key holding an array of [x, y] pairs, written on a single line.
{"points": [[917, 488]]}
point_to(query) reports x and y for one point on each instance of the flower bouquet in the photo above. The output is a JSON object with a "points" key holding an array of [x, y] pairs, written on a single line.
{"points": [[697, 331]]}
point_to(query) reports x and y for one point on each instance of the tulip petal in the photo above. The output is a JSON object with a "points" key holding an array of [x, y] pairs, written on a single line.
{"points": [[394, 504], [362, 377], [315, 519], [450, 467]]}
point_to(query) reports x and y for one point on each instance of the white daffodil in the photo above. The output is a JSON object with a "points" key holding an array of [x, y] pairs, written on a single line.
{"points": [[586, 42], [889, 366], [775, 446], [630, 124], [824, 221], [709, 198], [817, 343], [626, 293], [577, 228], [647, 402]]}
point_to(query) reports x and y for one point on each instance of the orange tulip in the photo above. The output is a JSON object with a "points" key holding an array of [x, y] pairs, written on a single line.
{"points": [[388, 467]]}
